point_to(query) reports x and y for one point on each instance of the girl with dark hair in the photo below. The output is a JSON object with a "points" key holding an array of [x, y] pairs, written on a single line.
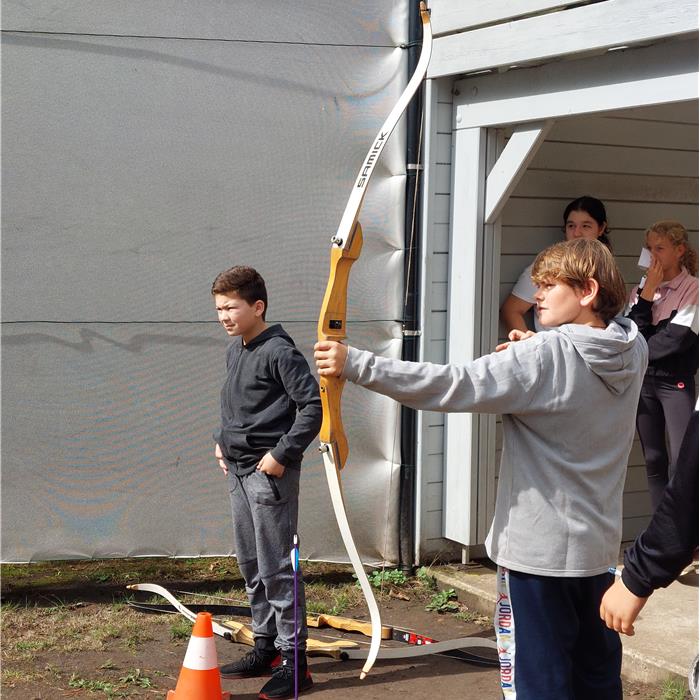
{"points": [[665, 307], [584, 217]]}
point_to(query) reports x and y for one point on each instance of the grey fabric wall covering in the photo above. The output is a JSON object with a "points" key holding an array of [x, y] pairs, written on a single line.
{"points": [[134, 170]]}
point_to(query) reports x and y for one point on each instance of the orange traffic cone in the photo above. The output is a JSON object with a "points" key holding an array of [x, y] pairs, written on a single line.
{"points": [[199, 677]]}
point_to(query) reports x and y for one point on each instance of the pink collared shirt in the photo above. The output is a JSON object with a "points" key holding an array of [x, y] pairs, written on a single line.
{"points": [[674, 295]]}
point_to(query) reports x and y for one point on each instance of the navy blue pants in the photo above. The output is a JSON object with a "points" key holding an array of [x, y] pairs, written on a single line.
{"points": [[552, 643], [665, 406]]}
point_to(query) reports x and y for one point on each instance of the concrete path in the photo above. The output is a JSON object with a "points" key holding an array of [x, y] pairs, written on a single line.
{"points": [[666, 632]]}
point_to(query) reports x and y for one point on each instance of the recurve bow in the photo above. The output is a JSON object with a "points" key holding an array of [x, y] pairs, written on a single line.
{"points": [[340, 649], [346, 246]]}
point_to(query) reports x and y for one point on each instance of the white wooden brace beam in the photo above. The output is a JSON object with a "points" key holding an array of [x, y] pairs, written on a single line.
{"points": [[510, 166], [658, 74]]}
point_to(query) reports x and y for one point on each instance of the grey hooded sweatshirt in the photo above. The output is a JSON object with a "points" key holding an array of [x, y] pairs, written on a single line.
{"points": [[569, 400]]}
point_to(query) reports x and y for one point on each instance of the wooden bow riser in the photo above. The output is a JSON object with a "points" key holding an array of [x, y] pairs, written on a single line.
{"points": [[332, 326]]}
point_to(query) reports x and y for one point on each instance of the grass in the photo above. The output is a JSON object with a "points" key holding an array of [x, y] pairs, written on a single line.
{"points": [[12, 677], [392, 577], [46, 611], [466, 615], [336, 605], [426, 579], [112, 689], [180, 629], [444, 602], [332, 600], [109, 689], [116, 572], [68, 629], [673, 690], [136, 678]]}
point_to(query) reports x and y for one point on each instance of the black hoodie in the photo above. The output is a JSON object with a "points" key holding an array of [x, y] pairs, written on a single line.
{"points": [[269, 402], [666, 547]]}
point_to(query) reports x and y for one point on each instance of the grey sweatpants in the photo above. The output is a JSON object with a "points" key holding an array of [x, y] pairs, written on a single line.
{"points": [[264, 511]]}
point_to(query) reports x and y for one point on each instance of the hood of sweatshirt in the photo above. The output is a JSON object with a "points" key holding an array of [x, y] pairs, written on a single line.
{"points": [[612, 353], [274, 331]]}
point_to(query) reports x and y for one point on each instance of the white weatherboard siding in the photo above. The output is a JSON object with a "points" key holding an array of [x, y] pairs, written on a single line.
{"points": [[449, 16], [146, 147]]}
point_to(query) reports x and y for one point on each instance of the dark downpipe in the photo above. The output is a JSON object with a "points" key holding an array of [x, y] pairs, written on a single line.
{"points": [[411, 321]]}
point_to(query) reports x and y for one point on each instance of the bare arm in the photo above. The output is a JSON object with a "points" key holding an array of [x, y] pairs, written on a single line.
{"points": [[620, 607], [513, 313]]}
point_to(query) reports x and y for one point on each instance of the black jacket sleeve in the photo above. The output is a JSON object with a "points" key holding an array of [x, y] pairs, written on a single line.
{"points": [[661, 552], [666, 338], [640, 313], [302, 388]]}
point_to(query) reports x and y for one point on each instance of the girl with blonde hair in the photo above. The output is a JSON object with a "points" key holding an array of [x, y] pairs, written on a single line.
{"points": [[665, 308]]}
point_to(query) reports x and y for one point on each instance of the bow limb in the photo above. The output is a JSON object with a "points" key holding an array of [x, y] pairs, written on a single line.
{"points": [[317, 620], [424, 649], [180, 607], [352, 208], [342, 649], [237, 631], [345, 249], [314, 647], [330, 455], [346, 624]]}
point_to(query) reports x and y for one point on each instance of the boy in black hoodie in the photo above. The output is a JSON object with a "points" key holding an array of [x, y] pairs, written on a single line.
{"points": [[270, 412]]}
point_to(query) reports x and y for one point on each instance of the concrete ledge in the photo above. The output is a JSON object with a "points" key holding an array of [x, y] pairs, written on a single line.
{"points": [[666, 639], [475, 586]]}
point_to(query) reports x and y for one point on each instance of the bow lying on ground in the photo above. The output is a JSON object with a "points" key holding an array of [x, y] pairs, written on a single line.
{"points": [[314, 647], [340, 649], [345, 249], [344, 649], [182, 609]]}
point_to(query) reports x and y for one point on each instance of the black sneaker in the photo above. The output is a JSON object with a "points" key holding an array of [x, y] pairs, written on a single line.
{"points": [[281, 685], [252, 665]]}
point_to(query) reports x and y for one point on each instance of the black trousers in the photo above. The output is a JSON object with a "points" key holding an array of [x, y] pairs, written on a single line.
{"points": [[665, 406]]}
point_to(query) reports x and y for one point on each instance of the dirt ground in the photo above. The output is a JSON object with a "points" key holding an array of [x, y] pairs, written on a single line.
{"points": [[158, 657], [141, 656]]}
